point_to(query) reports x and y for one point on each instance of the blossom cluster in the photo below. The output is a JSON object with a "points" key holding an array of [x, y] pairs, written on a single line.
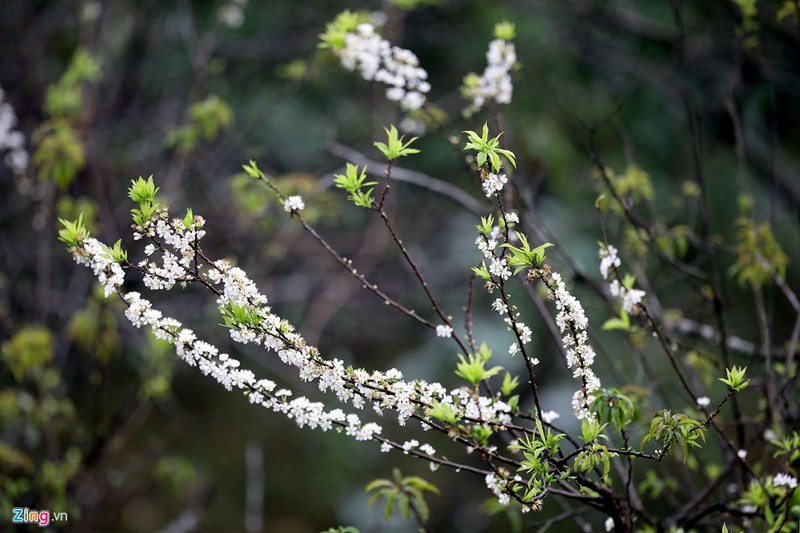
{"points": [[182, 236], [11, 141], [499, 267], [96, 256], [226, 371], [294, 203], [376, 59], [571, 319], [176, 241], [784, 480], [493, 184], [494, 85], [609, 263]]}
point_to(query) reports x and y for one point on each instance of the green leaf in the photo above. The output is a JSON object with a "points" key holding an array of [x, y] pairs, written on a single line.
{"points": [[73, 233], [395, 147], [622, 323]]}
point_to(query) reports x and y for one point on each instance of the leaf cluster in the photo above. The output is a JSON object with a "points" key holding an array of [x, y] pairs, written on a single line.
{"points": [[336, 31], [73, 232], [404, 491], [735, 378], [473, 368], [353, 181], [523, 256], [143, 192], [675, 430], [395, 146], [489, 150]]}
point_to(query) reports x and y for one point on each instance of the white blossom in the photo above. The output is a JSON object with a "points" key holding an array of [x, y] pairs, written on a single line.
{"points": [[703, 401], [549, 416], [376, 59], [444, 331], [494, 183], [580, 355], [494, 85], [608, 259], [294, 203], [173, 260], [784, 480], [631, 298]]}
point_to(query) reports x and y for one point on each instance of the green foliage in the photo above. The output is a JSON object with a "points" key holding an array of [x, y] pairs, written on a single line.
{"points": [[536, 452], [394, 147], [94, 329], [474, 368], [489, 149], [353, 182], [345, 22], [758, 254], [28, 352], [143, 192], [524, 257], [482, 272], [116, 253], [237, 316], [444, 413], [405, 492], [655, 485], [509, 384], [779, 505], [750, 24], [505, 30], [595, 455], [675, 430], [623, 322], [788, 447], [72, 232], [59, 154], [408, 5], [591, 430], [65, 97], [735, 378], [341, 529], [486, 226], [157, 369], [614, 407], [789, 10], [674, 242], [176, 472], [634, 183], [69, 208], [206, 119]]}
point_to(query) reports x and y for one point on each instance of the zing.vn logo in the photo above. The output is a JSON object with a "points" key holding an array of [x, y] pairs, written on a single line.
{"points": [[23, 515]]}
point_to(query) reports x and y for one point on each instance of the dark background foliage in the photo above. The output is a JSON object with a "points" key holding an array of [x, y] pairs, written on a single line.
{"points": [[690, 92]]}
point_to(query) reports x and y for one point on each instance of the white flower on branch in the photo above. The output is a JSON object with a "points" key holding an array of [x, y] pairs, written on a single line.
{"points": [[494, 183], [608, 259], [294, 203], [494, 85], [784, 480], [444, 331], [571, 319], [376, 59]]}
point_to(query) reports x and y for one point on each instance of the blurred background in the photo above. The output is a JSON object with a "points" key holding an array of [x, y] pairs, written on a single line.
{"points": [[98, 419]]}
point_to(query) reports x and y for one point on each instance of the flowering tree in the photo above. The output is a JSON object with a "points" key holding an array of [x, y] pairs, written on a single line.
{"points": [[502, 430], [675, 418]]}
